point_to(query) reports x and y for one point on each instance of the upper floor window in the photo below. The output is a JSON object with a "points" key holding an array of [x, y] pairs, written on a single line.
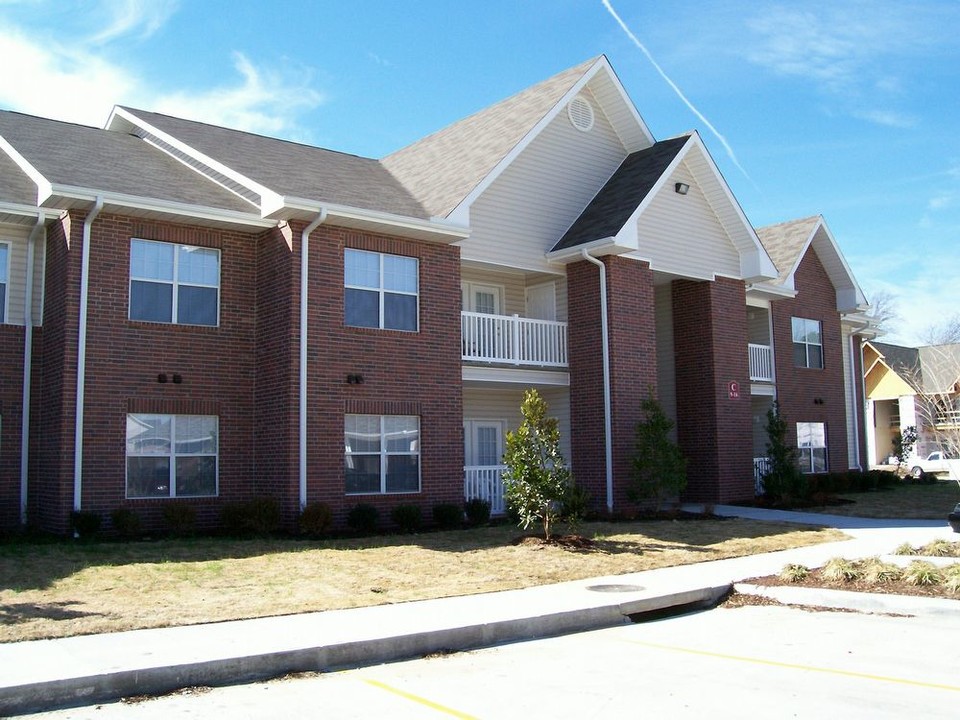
{"points": [[380, 291], [4, 279], [174, 283], [172, 455], [812, 444], [807, 343], [382, 454]]}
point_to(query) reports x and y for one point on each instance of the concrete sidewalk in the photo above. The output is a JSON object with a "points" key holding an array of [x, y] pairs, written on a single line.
{"points": [[45, 674]]}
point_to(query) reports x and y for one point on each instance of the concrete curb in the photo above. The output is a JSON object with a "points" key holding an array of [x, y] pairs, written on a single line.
{"points": [[155, 680], [853, 600]]}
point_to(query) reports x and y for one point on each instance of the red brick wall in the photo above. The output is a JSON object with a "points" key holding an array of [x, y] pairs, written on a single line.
{"points": [[11, 401], [713, 430], [405, 373], [798, 388], [633, 369]]}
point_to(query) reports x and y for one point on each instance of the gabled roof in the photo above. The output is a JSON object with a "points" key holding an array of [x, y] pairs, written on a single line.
{"points": [[445, 168], [931, 369], [264, 165], [787, 244], [65, 159], [904, 361], [616, 202]]}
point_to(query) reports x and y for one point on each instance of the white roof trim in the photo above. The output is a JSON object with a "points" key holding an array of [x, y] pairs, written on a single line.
{"points": [[43, 185], [849, 298], [438, 226], [605, 246], [461, 212]]}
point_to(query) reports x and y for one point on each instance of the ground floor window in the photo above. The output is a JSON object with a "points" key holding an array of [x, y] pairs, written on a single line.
{"points": [[382, 454], [812, 443], [172, 455]]}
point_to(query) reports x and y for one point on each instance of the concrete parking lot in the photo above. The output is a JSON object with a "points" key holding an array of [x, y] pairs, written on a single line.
{"points": [[770, 662]]}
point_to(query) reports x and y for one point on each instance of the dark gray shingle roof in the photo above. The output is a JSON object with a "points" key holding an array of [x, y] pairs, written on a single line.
{"points": [[15, 186], [292, 169], [610, 209]]}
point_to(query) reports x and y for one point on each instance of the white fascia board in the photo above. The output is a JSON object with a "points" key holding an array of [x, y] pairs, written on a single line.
{"points": [[596, 248], [33, 211], [461, 213], [626, 99], [268, 196], [774, 292], [515, 376], [452, 231], [162, 206], [43, 185], [764, 265], [852, 296]]}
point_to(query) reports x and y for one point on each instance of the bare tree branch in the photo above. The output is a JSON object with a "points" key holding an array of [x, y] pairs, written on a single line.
{"points": [[884, 311], [944, 332]]}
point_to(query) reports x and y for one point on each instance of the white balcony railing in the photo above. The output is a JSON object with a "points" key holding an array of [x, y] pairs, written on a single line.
{"points": [[513, 340], [761, 362], [485, 482]]}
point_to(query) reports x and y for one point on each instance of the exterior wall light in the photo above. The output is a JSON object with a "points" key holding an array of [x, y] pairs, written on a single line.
{"points": [[681, 188]]}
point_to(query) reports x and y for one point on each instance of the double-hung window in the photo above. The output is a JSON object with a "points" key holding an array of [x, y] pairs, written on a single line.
{"points": [[807, 343], [380, 290], [382, 454], [4, 279], [172, 455], [812, 444], [174, 283]]}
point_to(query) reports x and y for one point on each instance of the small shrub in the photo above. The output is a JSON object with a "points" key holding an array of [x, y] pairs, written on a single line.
{"points": [[905, 549], [794, 573], [126, 523], [180, 519], [363, 518], [447, 516], [938, 548], [85, 523], [477, 511], [408, 518], [316, 519], [258, 516], [840, 569], [576, 505], [875, 571], [923, 572], [951, 581]]}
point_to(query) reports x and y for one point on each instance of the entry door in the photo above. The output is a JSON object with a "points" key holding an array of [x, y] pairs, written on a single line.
{"points": [[483, 441], [481, 298], [542, 301]]}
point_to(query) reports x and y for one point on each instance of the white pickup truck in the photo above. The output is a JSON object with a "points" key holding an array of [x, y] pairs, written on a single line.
{"points": [[936, 463]]}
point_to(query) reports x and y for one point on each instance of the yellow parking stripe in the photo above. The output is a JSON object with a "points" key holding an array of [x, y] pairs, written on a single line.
{"points": [[420, 700], [794, 666]]}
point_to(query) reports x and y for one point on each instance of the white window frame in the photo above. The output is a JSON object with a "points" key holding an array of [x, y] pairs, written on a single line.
{"points": [[806, 450], [173, 455], [384, 455], [381, 291], [5, 280], [175, 283], [807, 345]]}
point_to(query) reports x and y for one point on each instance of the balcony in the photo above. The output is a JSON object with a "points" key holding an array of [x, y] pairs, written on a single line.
{"points": [[513, 340], [761, 362]]}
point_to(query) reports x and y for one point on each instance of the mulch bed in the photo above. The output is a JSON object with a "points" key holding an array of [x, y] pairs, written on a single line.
{"points": [[897, 587]]}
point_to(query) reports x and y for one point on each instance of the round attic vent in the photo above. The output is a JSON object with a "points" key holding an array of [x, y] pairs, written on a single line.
{"points": [[580, 112]]}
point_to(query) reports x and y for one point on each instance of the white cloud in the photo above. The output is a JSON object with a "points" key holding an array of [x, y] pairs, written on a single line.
{"points": [[888, 118], [125, 17]]}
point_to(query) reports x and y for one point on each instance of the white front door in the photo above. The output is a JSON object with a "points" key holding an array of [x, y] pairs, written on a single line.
{"points": [[483, 456], [481, 298], [542, 301]]}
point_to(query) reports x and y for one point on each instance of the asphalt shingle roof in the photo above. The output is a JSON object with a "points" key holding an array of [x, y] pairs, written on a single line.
{"points": [[15, 186], [616, 201], [785, 241], [292, 169], [86, 157], [443, 168]]}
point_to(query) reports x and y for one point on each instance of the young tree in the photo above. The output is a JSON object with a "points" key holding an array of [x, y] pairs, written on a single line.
{"points": [[783, 480], [903, 442], [659, 468], [536, 478]]}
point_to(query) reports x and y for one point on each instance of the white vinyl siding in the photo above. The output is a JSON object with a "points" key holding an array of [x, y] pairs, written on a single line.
{"points": [[490, 401], [16, 242], [514, 287], [532, 203], [680, 234]]}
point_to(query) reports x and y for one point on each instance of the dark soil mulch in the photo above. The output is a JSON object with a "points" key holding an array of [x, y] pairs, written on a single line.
{"points": [[571, 542], [896, 587]]}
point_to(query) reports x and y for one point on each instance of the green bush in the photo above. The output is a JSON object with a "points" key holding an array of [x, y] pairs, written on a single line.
{"points": [[126, 523], [316, 519], [85, 523], [408, 518], [477, 511], [258, 516], [363, 518], [783, 482], [576, 505], [447, 516], [659, 470], [180, 519]]}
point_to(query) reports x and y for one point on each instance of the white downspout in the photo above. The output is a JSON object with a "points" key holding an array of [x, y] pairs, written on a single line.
{"points": [[856, 406], [607, 422], [304, 267], [82, 353], [27, 369]]}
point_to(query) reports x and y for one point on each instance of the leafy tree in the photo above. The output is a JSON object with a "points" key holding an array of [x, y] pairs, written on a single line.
{"points": [[659, 468], [903, 443], [536, 478], [783, 480]]}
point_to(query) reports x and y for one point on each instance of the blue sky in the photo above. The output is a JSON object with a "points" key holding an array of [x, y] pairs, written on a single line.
{"points": [[847, 109]]}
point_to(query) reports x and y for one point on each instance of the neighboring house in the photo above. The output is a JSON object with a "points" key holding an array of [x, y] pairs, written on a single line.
{"points": [[197, 313], [912, 387]]}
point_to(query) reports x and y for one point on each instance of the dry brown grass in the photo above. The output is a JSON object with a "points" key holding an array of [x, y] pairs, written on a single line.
{"points": [[61, 589], [905, 500]]}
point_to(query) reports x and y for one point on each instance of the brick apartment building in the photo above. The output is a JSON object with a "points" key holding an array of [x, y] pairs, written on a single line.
{"points": [[195, 313]]}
